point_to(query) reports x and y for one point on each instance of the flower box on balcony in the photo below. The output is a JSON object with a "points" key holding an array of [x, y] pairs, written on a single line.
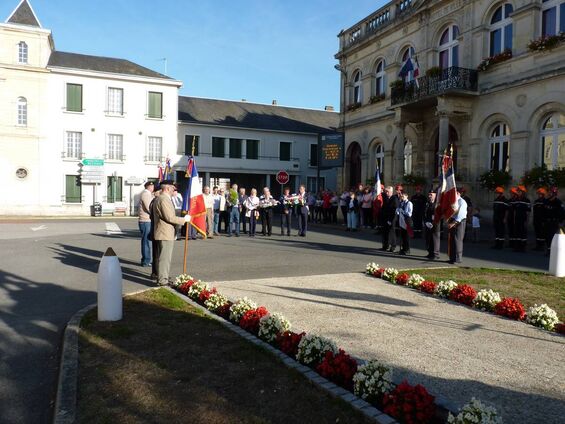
{"points": [[493, 60], [546, 43], [353, 106], [377, 98], [397, 84], [433, 72]]}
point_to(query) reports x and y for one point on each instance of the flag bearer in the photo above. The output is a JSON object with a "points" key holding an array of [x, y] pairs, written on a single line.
{"points": [[499, 216], [539, 218]]}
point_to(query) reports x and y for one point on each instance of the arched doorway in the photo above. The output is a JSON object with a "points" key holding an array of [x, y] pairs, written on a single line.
{"points": [[353, 164], [453, 139]]}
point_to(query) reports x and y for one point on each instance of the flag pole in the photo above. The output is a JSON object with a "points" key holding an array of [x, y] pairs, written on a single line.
{"points": [[186, 224]]}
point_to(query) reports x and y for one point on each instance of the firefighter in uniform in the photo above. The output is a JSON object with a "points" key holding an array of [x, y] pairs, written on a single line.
{"points": [[539, 209], [432, 230], [500, 210], [419, 203], [510, 217], [522, 209], [555, 213]]}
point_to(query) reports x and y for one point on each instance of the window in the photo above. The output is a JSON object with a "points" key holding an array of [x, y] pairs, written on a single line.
{"points": [[235, 148], [22, 111], [357, 92], [114, 190], [499, 144], [449, 48], [154, 149], [188, 144], [284, 151], [74, 98], [116, 101], [73, 189], [380, 78], [218, 147], [115, 147], [552, 17], [407, 157], [553, 141], [73, 145], [380, 157], [313, 155], [312, 184], [155, 105], [22, 52], [252, 149], [408, 54], [501, 30]]}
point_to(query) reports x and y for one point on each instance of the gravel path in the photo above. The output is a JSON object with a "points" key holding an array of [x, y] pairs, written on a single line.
{"points": [[454, 351]]}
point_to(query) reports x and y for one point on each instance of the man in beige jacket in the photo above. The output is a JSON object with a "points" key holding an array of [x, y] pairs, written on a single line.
{"points": [[165, 221], [145, 222]]}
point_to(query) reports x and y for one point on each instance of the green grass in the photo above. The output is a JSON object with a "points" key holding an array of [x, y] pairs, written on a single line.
{"points": [[530, 287]]}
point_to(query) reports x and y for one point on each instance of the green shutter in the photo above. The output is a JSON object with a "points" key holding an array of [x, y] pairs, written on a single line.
{"points": [[235, 148], [252, 149], [155, 105], [284, 151], [218, 147], [73, 188], [74, 97]]}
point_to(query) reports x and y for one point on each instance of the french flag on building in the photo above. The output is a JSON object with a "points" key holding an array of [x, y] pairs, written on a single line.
{"points": [[411, 65], [446, 201], [193, 201]]}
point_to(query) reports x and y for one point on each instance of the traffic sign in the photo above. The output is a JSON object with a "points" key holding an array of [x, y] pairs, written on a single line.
{"points": [[93, 162], [283, 177]]}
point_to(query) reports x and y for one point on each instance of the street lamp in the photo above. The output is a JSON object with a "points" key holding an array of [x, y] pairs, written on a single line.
{"points": [[339, 67]]}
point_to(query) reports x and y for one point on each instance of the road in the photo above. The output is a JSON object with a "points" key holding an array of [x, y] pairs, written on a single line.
{"points": [[48, 272]]}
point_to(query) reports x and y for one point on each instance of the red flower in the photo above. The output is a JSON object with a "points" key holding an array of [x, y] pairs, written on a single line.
{"points": [[560, 328], [205, 295], [339, 368], [288, 342], [510, 308], [250, 320], [402, 279], [464, 294], [379, 272], [428, 287], [184, 287], [224, 310], [409, 404]]}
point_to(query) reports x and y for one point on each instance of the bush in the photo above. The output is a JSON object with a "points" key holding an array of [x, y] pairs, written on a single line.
{"points": [[414, 180], [486, 300], [372, 380], [540, 176], [542, 316], [312, 349], [410, 404], [492, 179], [270, 326], [443, 289], [475, 412], [338, 368], [464, 294], [510, 308]]}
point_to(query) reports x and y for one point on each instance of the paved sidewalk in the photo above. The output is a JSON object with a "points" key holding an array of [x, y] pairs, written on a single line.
{"points": [[454, 351]]}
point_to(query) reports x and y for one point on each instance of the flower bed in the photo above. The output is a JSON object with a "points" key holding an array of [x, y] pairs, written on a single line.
{"points": [[485, 300], [371, 381], [545, 43]]}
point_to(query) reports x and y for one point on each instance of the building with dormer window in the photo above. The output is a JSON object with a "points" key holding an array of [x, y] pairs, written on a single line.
{"points": [[481, 85]]}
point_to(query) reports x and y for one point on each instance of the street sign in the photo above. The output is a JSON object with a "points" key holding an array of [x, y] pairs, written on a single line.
{"points": [[283, 177], [135, 181], [93, 162]]}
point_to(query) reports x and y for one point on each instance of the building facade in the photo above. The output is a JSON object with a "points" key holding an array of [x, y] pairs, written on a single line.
{"points": [[58, 109], [248, 143], [505, 113]]}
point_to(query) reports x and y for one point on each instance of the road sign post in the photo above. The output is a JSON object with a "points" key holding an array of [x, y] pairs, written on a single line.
{"points": [[283, 178]]}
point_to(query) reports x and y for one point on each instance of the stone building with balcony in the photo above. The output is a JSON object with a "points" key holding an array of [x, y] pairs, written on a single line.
{"points": [[503, 113]]}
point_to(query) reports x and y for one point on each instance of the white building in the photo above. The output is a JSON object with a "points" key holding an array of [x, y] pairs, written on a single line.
{"points": [[59, 108], [248, 143]]}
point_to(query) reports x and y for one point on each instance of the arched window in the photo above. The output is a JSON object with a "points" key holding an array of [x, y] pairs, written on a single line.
{"points": [[499, 144], [408, 54], [449, 48], [380, 78], [553, 141], [22, 52], [407, 157], [357, 92], [501, 29], [380, 158], [552, 17], [22, 111]]}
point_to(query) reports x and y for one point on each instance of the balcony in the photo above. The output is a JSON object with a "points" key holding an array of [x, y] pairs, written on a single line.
{"points": [[450, 80]]}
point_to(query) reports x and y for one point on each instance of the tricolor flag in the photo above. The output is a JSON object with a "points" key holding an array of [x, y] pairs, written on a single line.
{"points": [[446, 201], [378, 189], [161, 176], [406, 68], [416, 72], [404, 224], [193, 201], [168, 173]]}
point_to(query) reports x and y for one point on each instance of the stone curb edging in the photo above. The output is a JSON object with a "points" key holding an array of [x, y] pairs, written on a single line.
{"points": [[361, 405]]}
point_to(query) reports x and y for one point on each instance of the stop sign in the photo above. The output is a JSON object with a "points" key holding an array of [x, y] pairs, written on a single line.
{"points": [[283, 177]]}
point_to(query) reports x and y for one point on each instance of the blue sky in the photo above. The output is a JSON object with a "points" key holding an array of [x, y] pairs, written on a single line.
{"points": [[257, 50]]}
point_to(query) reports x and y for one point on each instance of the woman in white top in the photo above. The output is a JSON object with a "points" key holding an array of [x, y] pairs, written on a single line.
{"points": [[252, 204]]}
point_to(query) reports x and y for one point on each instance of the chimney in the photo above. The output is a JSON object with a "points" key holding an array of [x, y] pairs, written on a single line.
{"points": [[329, 108], [274, 102], [244, 100]]}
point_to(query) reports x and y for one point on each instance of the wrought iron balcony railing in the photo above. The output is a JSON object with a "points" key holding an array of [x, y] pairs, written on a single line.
{"points": [[449, 79]]}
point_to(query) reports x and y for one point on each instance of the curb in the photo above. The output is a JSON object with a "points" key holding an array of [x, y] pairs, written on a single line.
{"points": [[335, 391]]}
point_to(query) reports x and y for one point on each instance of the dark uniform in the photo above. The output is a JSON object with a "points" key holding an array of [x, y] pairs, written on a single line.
{"points": [[555, 213], [433, 233], [419, 205], [510, 220], [286, 215], [522, 208], [539, 209], [499, 211], [388, 211]]}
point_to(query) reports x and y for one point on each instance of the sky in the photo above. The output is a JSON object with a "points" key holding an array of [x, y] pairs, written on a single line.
{"points": [[258, 50]]}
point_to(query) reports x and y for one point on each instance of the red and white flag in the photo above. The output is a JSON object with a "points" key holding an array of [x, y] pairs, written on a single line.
{"points": [[193, 201], [446, 201]]}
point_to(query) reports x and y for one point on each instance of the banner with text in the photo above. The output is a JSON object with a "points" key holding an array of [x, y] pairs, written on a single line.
{"points": [[330, 150]]}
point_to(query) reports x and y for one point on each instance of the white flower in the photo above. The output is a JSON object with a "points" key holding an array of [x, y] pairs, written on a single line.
{"points": [[542, 316], [312, 348], [181, 279], [475, 412], [196, 289], [240, 307], [371, 268], [215, 301], [486, 300], [271, 325], [415, 281], [372, 379], [444, 288], [390, 274]]}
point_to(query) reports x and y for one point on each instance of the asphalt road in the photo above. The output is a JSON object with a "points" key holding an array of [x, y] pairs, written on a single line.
{"points": [[48, 272]]}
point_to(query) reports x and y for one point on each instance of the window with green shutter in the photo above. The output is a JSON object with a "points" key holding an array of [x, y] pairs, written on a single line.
{"points": [[284, 151], [188, 144], [313, 155], [73, 189], [235, 148], [218, 147], [252, 149], [155, 105], [74, 98], [114, 190]]}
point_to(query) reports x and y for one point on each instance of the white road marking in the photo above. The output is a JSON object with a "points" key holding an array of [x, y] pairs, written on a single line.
{"points": [[113, 229], [40, 228]]}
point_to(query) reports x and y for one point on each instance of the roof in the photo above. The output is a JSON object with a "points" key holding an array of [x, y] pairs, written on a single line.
{"points": [[23, 14], [257, 116], [101, 64]]}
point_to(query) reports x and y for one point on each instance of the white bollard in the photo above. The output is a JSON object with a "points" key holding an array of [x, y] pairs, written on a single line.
{"points": [[557, 255], [109, 287]]}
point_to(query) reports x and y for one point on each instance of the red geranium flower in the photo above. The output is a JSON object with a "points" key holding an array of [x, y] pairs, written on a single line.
{"points": [[409, 404], [464, 294], [379, 272], [288, 342], [250, 320], [205, 295], [560, 328], [224, 310], [428, 287], [510, 308], [402, 279], [184, 287], [339, 368]]}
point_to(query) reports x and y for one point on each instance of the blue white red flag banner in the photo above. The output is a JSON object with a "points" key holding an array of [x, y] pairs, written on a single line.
{"points": [[406, 68], [446, 202], [193, 201], [416, 72], [378, 190], [160, 173], [168, 172], [404, 224]]}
